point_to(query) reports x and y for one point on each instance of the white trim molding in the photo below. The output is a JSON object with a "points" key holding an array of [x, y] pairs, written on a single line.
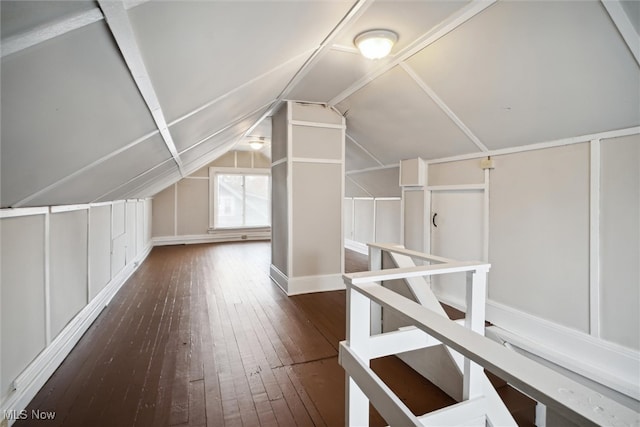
{"points": [[309, 284], [306, 284], [33, 378], [355, 246], [603, 362], [215, 237], [279, 278], [17, 212]]}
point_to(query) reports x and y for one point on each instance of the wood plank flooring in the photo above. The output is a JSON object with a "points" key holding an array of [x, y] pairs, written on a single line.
{"points": [[200, 336]]}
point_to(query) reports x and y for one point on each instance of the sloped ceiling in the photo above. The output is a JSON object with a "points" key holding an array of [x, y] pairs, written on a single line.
{"points": [[109, 100]]}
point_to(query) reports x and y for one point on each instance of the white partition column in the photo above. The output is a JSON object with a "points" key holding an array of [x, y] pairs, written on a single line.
{"points": [[307, 197]]}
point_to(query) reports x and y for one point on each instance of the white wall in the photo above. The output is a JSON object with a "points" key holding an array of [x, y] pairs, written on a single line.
{"points": [[181, 211], [369, 219], [619, 287], [563, 233], [548, 209], [60, 266], [307, 192], [539, 234]]}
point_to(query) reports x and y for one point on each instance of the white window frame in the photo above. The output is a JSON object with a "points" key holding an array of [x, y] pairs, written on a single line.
{"points": [[213, 185]]}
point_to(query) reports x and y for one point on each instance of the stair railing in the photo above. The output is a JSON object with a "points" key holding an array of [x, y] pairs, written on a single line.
{"points": [[571, 399]]}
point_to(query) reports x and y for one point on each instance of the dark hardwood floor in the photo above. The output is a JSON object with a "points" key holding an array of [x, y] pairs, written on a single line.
{"points": [[200, 336]]}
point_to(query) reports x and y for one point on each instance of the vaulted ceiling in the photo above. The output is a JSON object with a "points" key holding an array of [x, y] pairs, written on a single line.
{"points": [[109, 100]]}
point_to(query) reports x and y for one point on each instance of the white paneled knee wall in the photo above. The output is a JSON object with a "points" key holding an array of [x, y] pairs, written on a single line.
{"points": [[371, 219], [60, 266]]}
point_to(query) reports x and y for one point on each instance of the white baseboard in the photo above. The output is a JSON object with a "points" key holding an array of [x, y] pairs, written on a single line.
{"points": [[603, 362], [279, 278], [33, 378], [307, 284], [211, 238], [310, 284], [356, 246]]}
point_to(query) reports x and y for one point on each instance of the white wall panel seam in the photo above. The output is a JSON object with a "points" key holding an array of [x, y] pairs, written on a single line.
{"points": [[594, 240], [342, 193], [542, 145], [47, 278], [175, 209], [289, 191]]}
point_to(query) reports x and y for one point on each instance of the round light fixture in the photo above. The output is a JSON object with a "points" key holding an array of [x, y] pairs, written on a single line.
{"points": [[375, 44], [256, 144]]}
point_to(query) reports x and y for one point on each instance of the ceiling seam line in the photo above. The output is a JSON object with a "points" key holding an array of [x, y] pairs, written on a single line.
{"points": [[120, 26], [359, 186], [443, 106], [244, 85], [131, 180], [223, 148], [85, 168], [446, 26], [43, 33], [229, 126], [363, 149], [160, 184], [376, 168], [165, 180], [355, 12]]}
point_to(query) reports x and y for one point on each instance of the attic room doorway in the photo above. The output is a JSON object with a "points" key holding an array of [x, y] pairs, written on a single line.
{"points": [[457, 232]]}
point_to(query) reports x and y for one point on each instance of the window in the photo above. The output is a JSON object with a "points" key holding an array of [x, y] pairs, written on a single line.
{"points": [[241, 199]]}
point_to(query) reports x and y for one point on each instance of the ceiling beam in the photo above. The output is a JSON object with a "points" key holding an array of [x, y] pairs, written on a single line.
{"points": [[624, 26], [444, 107], [354, 13], [83, 169], [43, 33], [451, 23], [118, 21]]}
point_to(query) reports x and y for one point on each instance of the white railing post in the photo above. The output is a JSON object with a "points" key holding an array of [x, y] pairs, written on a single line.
{"points": [[358, 333], [473, 385], [375, 264]]}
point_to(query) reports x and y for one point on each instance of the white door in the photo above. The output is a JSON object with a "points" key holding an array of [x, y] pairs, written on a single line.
{"points": [[457, 224]]}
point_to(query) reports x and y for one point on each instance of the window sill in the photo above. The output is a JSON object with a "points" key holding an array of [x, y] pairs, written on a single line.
{"points": [[212, 230]]}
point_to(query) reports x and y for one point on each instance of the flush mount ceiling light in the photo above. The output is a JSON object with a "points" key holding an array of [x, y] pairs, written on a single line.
{"points": [[375, 44], [256, 144]]}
